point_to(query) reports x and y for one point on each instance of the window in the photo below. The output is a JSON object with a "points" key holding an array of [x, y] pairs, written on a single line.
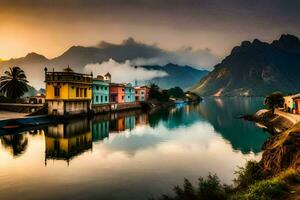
{"points": [[122, 97], [56, 91], [142, 92], [105, 98], [77, 92], [85, 92], [105, 88], [123, 89], [97, 98], [97, 87], [81, 92], [136, 92], [101, 98]]}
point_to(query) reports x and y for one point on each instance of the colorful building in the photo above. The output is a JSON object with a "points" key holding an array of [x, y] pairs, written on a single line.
{"points": [[292, 103], [116, 92], [67, 92], [101, 89], [141, 93], [296, 103], [129, 93]]}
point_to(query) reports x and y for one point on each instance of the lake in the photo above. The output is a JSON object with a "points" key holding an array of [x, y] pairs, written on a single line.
{"points": [[130, 155]]}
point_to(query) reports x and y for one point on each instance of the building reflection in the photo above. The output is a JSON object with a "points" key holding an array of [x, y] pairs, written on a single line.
{"points": [[67, 140], [100, 130]]}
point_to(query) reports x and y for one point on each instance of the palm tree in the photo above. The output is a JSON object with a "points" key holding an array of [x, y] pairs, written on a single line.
{"points": [[14, 83]]}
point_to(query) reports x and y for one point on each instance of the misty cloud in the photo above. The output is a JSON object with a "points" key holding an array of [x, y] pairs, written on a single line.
{"points": [[185, 56], [125, 72]]}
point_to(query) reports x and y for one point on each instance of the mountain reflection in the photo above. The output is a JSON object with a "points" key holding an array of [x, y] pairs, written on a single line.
{"points": [[223, 114]]}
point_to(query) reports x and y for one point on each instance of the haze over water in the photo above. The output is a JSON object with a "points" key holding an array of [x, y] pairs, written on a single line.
{"points": [[130, 155]]}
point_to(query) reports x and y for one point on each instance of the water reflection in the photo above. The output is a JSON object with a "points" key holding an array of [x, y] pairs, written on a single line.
{"points": [[64, 141], [16, 144], [129, 155], [67, 140], [223, 115]]}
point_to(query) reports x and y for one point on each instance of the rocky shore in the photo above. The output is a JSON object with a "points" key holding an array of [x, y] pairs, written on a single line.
{"points": [[282, 150]]}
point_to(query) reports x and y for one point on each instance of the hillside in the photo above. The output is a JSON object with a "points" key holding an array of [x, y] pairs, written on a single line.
{"points": [[255, 69], [78, 57], [183, 76]]}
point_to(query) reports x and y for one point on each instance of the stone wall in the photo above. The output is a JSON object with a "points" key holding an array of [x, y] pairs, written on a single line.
{"points": [[20, 108], [112, 107]]}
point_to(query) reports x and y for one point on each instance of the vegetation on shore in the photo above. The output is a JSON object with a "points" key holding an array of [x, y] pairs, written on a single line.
{"points": [[164, 95], [274, 100], [252, 183]]}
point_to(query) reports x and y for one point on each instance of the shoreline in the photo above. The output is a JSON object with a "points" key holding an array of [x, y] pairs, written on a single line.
{"points": [[281, 151]]}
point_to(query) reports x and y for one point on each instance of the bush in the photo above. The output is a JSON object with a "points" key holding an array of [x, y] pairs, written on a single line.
{"points": [[263, 190], [208, 189], [248, 175]]}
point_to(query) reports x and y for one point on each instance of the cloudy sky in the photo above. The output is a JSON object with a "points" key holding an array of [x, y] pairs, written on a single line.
{"points": [[49, 27]]}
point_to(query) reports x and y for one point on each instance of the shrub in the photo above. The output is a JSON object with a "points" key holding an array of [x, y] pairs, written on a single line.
{"points": [[208, 189], [263, 190], [248, 175]]}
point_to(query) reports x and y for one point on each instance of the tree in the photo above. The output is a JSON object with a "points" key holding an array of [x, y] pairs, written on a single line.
{"points": [[274, 100], [156, 93], [14, 83], [176, 92]]}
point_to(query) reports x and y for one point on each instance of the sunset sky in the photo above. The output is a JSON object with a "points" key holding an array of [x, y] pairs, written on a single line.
{"points": [[49, 27]]}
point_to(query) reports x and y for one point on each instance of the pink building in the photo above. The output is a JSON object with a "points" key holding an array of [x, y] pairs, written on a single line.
{"points": [[141, 93], [116, 92]]}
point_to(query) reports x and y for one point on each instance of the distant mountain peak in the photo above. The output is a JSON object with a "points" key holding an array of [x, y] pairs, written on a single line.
{"points": [[256, 69], [103, 44], [288, 43], [288, 38], [130, 41], [34, 55]]}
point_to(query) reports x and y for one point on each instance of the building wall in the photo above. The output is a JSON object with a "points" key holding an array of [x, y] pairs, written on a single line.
{"points": [[297, 106], [56, 107], [129, 94], [116, 94], [288, 104], [69, 91], [62, 107], [100, 92], [141, 94]]}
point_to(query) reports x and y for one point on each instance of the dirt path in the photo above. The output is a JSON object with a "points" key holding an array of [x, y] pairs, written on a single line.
{"points": [[294, 118]]}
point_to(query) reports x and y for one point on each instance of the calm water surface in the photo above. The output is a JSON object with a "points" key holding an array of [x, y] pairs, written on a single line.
{"points": [[129, 155]]}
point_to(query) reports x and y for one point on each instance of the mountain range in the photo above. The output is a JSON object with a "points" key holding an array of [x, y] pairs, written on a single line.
{"points": [[255, 69], [77, 57]]}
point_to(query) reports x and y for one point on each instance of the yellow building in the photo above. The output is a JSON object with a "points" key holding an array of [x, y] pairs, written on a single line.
{"points": [[67, 92]]}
